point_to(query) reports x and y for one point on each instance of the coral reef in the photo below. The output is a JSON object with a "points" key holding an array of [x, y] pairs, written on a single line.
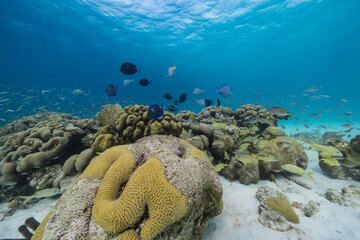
{"points": [[159, 187], [41, 143], [123, 126], [355, 143], [259, 158], [254, 112], [346, 167]]}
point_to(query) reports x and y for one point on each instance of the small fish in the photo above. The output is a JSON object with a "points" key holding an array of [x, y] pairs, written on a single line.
{"points": [[323, 127], [346, 125], [49, 192], [5, 100], [226, 156], [218, 125], [171, 108], [282, 126], [144, 82], [313, 115], [3, 119], [127, 82], [279, 112], [198, 91], [191, 116], [348, 113], [129, 68], [167, 96], [327, 150], [312, 89], [307, 126], [218, 102], [182, 98], [265, 158], [224, 90], [343, 100], [79, 92], [249, 122], [46, 91], [245, 159], [204, 102], [111, 90], [220, 166], [9, 110], [298, 170], [155, 111], [171, 71], [331, 161]]}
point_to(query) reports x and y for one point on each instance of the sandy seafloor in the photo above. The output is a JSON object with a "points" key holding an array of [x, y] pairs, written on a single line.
{"points": [[239, 219]]}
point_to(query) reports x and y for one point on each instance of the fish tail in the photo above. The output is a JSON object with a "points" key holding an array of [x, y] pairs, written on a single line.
{"points": [[310, 175], [138, 69], [174, 67], [27, 198]]}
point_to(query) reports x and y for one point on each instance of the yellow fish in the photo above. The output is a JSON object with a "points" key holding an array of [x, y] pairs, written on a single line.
{"points": [[191, 116], [245, 159], [219, 125], [331, 161], [298, 170], [220, 166], [328, 150], [265, 158], [49, 192], [226, 156]]}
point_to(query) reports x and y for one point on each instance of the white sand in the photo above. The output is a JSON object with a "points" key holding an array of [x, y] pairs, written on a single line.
{"points": [[239, 219]]}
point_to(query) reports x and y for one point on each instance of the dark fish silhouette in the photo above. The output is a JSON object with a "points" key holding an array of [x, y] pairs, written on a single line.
{"points": [[182, 98], [171, 108], [218, 102], [144, 82], [129, 68], [168, 96], [111, 90]]}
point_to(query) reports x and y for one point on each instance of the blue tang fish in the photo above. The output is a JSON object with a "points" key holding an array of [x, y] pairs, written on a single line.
{"points": [[155, 111], [224, 90], [111, 90]]}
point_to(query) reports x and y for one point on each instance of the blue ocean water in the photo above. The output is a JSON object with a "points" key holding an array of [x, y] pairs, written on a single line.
{"points": [[269, 52]]}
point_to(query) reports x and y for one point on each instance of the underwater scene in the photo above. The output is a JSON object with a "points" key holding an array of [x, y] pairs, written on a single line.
{"points": [[180, 119]]}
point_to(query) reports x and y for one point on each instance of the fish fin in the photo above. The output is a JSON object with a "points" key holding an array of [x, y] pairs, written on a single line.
{"points": [[174, 67], [138, 69], [291, 116], [310, 175]]}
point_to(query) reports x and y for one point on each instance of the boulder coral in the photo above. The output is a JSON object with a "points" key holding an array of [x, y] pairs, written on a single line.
{"points": [[349, 165], [126, 125], [42, 143], [260, 158], [160, 187]]}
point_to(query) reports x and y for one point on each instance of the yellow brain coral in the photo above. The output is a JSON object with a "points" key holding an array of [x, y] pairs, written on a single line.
{"points": [[283, 207], [159, 185]]}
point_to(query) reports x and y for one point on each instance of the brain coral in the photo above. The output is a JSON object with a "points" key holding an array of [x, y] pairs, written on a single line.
{"points": [[159, 187]]}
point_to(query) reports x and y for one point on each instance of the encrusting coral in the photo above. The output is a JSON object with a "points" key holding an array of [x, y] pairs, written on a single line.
{"points": [[159, 187]]}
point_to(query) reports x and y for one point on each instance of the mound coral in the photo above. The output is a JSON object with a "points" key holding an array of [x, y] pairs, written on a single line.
{"points": [[130, 124], [42, 143], [159, 185]]}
